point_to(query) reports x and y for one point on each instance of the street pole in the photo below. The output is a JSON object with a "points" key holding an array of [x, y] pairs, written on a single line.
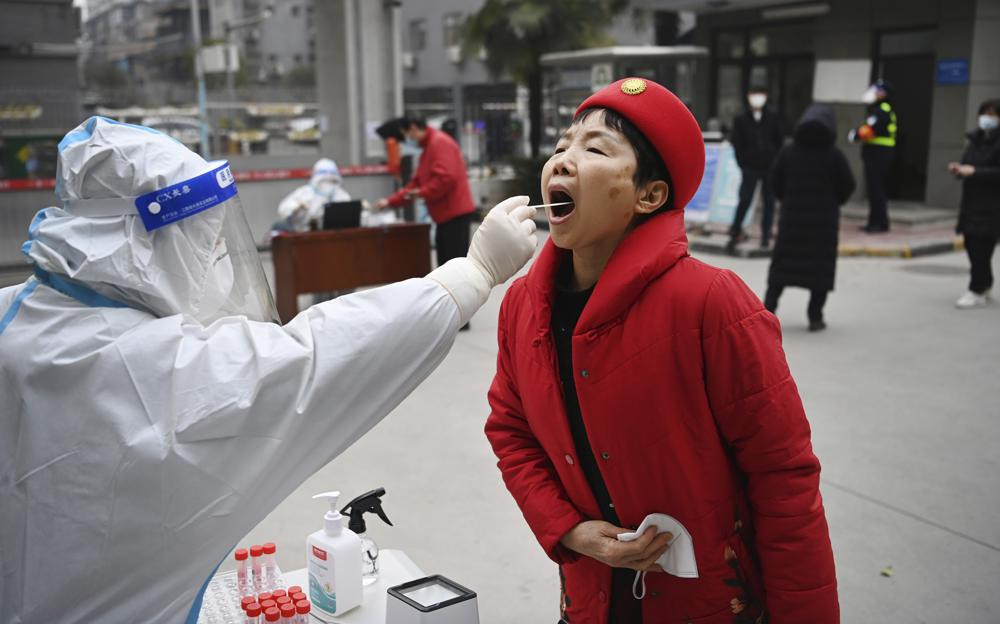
{"points": [[230, 76], [199, 72]]}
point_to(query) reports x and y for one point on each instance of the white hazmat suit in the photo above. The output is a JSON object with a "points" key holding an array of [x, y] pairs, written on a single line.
{"points": [[304, 205], [138, 444]]}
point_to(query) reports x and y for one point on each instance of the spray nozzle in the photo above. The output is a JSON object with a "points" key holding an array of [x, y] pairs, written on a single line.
{"points": [[367, 502]]}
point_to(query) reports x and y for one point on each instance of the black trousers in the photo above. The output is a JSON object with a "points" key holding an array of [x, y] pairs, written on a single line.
{"points": [[877, 160], [817, 299], [980, 250], [451, 238], [748, 184]]}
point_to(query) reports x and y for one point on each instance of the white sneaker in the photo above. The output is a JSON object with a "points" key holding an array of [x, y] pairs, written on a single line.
{"points": [[972, 300]]}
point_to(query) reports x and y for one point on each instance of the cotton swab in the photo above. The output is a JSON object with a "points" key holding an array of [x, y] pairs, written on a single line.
{"points": [[551, 205]]}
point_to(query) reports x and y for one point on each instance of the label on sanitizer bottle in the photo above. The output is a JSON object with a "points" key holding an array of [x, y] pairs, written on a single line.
{"points": [[321, 581]]}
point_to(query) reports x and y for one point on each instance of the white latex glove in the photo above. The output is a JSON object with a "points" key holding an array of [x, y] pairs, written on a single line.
{"points": [[504, 243]]}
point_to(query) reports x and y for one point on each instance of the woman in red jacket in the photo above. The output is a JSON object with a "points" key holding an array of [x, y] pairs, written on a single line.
{"points": [[633, 380]]}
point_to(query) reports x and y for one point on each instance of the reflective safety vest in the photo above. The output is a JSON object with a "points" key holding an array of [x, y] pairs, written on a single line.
{"points": [[887, 141]]}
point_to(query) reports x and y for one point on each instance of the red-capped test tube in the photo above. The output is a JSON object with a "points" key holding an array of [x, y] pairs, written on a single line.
{"points": [[283, 600], [262, 596], [256, 551], [297, 596], [302, 609], [294, 589], [270, 571], [268, 604], [246, 601], [242, 581], [272, 615], [288, 614], [278, 593], [253, 611]]}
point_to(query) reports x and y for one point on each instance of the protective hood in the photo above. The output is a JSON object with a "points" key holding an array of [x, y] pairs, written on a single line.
{"points": [[325, 170], [203, 263], [817, 127]]}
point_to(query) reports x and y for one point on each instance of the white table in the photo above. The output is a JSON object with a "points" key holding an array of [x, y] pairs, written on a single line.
{"points": [[394, 568]]}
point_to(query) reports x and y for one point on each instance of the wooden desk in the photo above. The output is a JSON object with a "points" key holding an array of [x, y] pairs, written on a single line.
{"points": [[341, 259]]}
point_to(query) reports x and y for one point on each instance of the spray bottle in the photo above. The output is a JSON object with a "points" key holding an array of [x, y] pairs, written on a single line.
{"points": [[369, 502]]}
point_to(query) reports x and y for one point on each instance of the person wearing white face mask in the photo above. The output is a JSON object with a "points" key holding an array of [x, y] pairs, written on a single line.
{"points": [[154, 410], [979, 215], [878, 137], [757, 136], [303, 207]]}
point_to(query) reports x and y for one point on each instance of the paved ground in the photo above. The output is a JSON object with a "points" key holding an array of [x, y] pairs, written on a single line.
{"points": [[902, 393]]}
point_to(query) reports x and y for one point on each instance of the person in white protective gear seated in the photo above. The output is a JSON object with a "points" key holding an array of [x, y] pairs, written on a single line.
{"points": [[302, 209], [153, 409]]}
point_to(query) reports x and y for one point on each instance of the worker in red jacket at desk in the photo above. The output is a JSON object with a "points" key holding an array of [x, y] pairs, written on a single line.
{"points": [[442, 182]]}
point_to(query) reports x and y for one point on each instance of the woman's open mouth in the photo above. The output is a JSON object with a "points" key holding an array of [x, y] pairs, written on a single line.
{"points": [[562, 205]]}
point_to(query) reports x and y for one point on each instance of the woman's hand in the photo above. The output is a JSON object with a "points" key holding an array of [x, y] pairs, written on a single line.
{"points": [[965, 171], [598, 540]]}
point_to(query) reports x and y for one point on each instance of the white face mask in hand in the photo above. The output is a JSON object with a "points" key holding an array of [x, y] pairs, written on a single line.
{"points": [[678, 559]]}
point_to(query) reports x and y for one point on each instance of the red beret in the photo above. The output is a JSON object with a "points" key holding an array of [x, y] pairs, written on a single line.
{"points": [[666, 122]]}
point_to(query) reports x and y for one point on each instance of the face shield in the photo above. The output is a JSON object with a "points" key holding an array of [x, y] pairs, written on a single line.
{"points": [[204, 261]]}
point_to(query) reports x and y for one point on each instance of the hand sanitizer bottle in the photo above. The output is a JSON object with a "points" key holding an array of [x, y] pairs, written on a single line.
{"points": [[333, 557]]}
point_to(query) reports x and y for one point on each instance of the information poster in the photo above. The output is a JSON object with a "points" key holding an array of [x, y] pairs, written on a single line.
{"points": [[697, 209], [726, 191]]}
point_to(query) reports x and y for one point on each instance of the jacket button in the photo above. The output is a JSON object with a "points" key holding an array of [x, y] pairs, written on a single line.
{"points": [[585, 373], [569, 459], [605, 455], [602, 596]]}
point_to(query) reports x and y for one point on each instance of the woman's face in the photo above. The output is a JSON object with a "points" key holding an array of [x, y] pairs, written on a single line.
{"points": [[592, 167]]}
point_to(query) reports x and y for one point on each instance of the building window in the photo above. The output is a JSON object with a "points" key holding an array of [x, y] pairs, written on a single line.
{"points": [[418, 34], [298, 59], [452, 23], [295, 10]]}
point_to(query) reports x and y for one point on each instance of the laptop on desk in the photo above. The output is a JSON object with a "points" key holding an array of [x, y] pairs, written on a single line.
{"points": [[342, 215]]}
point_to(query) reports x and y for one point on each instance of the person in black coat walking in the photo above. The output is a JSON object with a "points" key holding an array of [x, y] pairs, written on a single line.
{"points": [[979, 214], [757, 136], [811, 179]]}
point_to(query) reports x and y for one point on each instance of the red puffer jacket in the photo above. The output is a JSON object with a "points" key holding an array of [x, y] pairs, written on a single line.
{"points": [[441, 179], [691, 411]]}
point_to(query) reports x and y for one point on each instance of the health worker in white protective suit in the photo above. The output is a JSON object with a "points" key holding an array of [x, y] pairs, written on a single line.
{"points": [[153, 411], [304, 206]]}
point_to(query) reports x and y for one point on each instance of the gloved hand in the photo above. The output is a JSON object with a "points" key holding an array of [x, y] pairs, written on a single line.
{"points": [[505, 241], [500, 247]]}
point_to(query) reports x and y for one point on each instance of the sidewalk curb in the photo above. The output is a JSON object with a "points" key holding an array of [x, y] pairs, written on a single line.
{"points": [[903, 251], [844, 251]]}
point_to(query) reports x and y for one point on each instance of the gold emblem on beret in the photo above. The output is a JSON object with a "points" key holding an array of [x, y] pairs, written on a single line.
{"points": [[633, 86]]}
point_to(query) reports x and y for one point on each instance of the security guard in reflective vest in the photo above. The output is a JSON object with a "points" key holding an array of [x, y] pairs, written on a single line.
{"points": [[878, 137]]}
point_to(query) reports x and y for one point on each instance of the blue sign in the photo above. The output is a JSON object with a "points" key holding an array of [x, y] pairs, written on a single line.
{"points": [[181, 200], [953, 71], [697, 209]]}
